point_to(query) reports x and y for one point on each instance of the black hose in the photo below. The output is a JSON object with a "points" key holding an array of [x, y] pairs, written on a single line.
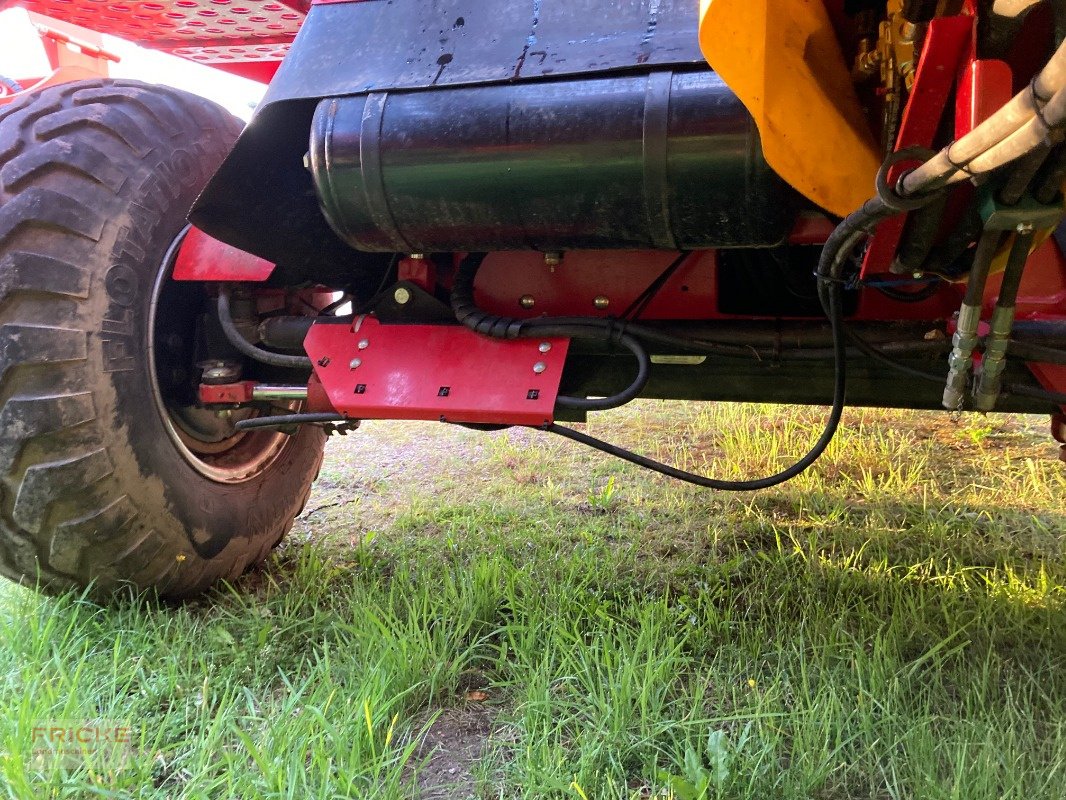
{"points": [[1049, 182], [243, 346], [1036, 352], [285, 420], [1012, 272], [983, 257], [601, 404], [812, 455], [919, 236], [469, 314], [1022, 175], [837, 248], [1023, 390], [903, 296]]}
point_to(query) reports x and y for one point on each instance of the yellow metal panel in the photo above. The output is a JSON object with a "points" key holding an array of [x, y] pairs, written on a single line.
{"points": [[782, 59]]}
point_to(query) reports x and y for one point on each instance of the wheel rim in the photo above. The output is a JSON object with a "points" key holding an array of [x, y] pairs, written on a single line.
{"points": [[205, 439]]}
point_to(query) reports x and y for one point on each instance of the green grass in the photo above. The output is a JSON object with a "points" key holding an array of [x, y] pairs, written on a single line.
{"points": [[892, 624]]}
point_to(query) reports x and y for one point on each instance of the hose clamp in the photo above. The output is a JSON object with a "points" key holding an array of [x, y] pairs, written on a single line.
{"points": [[890, 194]]}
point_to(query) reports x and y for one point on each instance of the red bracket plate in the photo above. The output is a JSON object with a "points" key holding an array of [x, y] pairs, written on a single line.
{"points": [[205, 258], [943, 51], [436, 372], [240, 392]]}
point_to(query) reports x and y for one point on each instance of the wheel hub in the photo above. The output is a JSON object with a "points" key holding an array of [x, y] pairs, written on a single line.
{"points": [[204, 437]]}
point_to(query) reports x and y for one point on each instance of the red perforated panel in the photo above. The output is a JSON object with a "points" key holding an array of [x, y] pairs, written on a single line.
{"points": [[208, 31]]}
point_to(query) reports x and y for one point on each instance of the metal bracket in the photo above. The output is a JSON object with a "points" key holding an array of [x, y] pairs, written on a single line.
{"points": [[436, 372], [1027, 213]]}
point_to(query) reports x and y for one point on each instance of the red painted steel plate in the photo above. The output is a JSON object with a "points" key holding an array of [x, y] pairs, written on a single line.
{"points": [[205, 258], [945, 46], [208, 31], [985, 86], [240, 392], [435, 372], [617, 276]]}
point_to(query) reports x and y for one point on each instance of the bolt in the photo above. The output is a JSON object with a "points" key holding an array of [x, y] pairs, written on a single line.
{"points": [[539, 367], [527, 301], [601, 302], [545, 347], [218, 371], [355, 363], [364, 344], [916, 275], [402, 296], [1024, 227], [553, 258]]}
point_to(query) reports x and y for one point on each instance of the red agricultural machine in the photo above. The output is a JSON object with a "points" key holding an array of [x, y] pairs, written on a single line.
{"points": [[496, 213]]}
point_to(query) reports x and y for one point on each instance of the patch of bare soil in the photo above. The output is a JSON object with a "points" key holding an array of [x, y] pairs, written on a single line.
{"points": [[448, 755]]}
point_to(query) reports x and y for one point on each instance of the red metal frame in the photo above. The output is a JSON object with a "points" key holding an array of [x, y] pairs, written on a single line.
{"points": [[227, 393], [434, 372], [946, 44], [985, 86], [204, 258]]}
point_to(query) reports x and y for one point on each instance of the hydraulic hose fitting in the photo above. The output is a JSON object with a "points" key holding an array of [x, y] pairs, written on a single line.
{"points": [[961, 359], [991, 378], [990, 382]]}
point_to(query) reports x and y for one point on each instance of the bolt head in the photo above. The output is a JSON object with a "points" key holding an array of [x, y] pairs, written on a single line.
{"points": [[355, 363], [527, 301], [364, 344], [539, 367], [601, 302], [545, 347], [553, 258], [1024, 227], [402, 296]]}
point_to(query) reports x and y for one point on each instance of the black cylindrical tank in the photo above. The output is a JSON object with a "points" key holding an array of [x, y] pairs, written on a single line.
{"points": [[662, 160]]}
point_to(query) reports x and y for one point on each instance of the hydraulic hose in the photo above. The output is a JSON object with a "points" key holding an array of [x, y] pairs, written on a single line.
{"points": [[834, 254], [995, 352], [469, 314], [243, 346], [1037, 392], [1015, 129], [285, 420], [1037, 352]]}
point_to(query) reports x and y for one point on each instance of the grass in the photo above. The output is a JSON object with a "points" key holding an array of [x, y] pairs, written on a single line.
{"points": [[892, 624]]}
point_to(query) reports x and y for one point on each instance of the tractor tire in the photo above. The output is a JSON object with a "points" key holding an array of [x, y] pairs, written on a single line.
{"points": [[98, 486]]}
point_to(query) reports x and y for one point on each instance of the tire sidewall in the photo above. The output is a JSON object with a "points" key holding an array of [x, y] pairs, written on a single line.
{"points": [[168, 492]]}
